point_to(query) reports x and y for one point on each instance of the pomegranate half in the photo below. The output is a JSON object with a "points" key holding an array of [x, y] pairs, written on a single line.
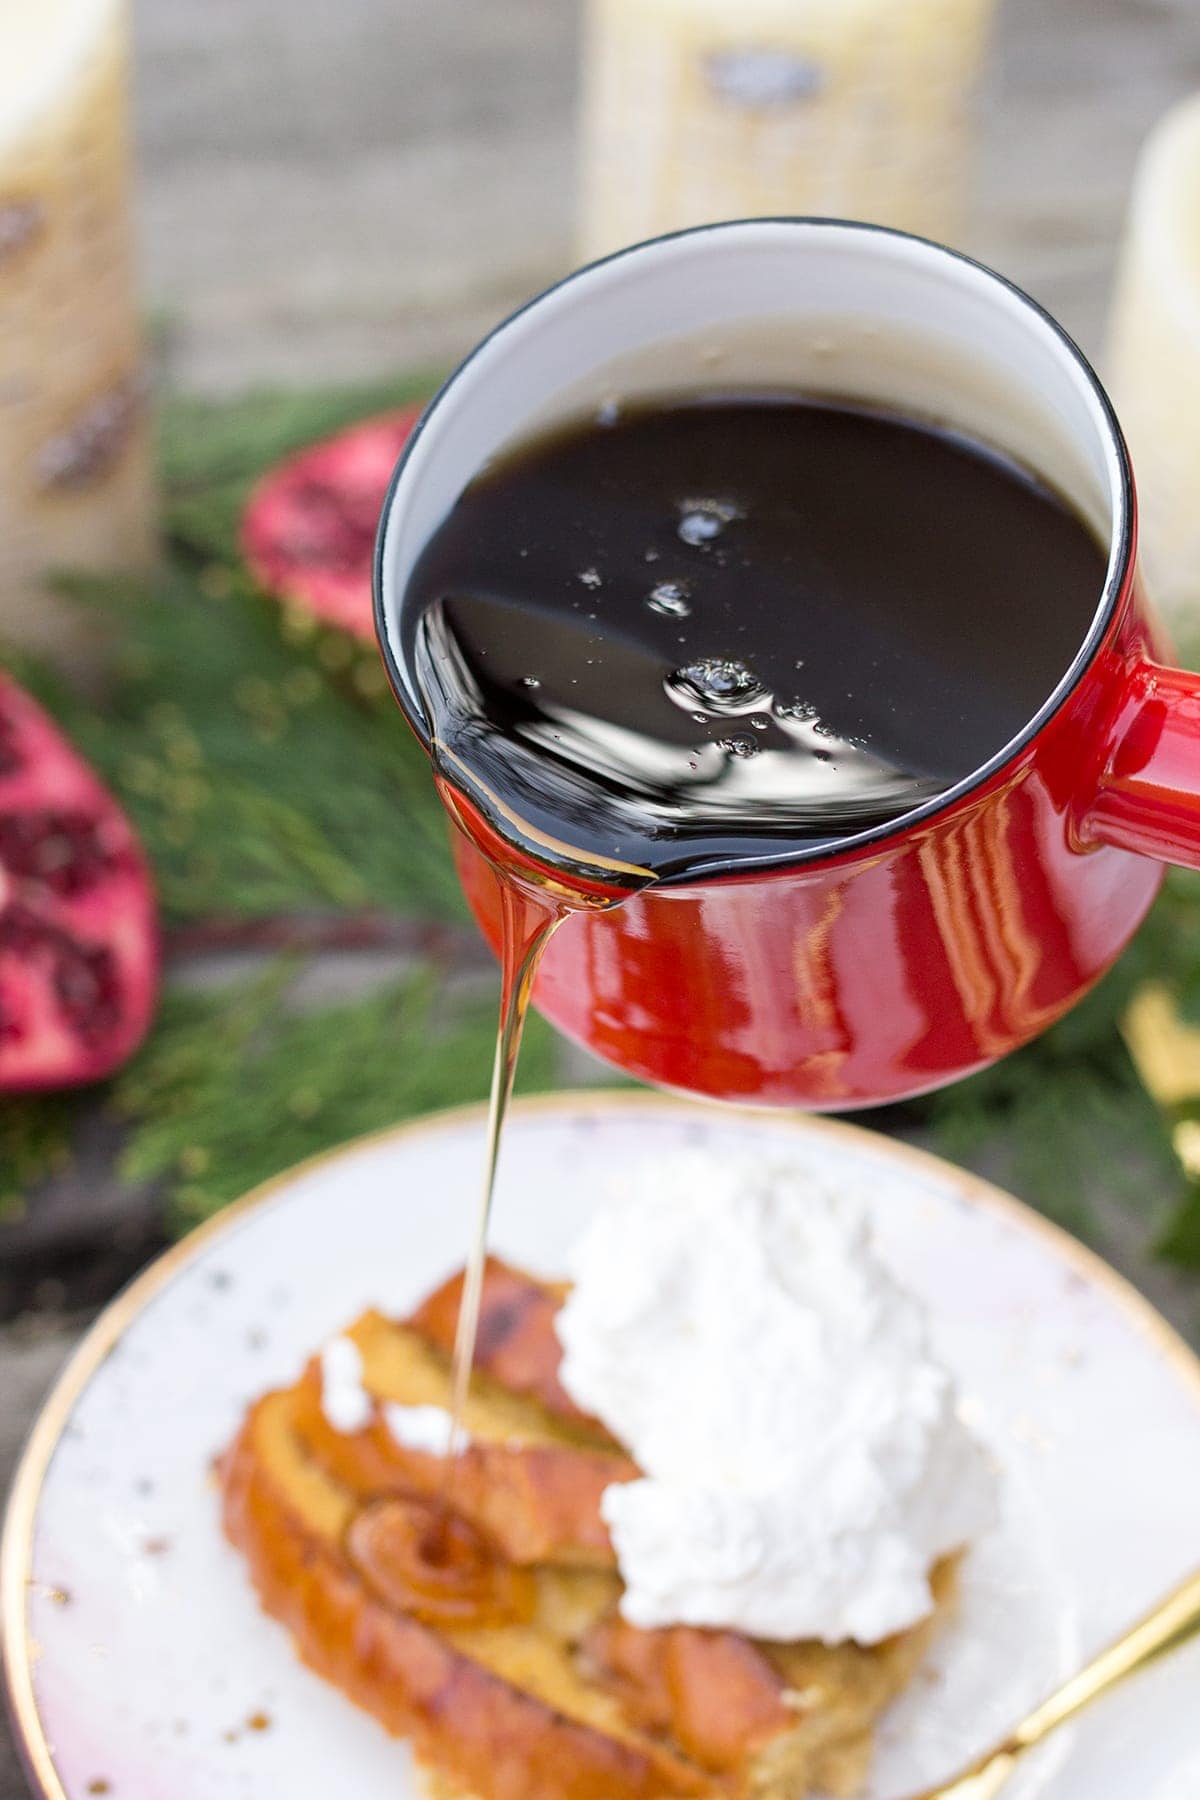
{"points": [[308, 531], [78, 927]]}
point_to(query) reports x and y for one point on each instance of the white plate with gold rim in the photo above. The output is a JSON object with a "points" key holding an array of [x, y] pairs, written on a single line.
{"points": [[138, 1662]]}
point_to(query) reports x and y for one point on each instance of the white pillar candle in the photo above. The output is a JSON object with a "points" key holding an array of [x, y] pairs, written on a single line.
{"points": [[1154, 360], [696, 110], [75, 483]]}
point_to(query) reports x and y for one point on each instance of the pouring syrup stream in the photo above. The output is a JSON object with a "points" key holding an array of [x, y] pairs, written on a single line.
{"points": [[528, 922], [534, 901]]}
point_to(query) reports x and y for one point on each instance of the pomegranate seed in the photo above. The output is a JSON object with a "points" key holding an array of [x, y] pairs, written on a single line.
{"points": [[63, 851]]}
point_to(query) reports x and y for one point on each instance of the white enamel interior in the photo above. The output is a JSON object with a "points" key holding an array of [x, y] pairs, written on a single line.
{"points": [[806, 304]]}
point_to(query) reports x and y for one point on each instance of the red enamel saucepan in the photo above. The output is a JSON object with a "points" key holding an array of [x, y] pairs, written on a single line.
{"points": [[927, 947]]}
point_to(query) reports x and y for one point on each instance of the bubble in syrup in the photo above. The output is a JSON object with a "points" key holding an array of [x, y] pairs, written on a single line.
{"points": [[738, 746], [590, 578], [720, 684], [700, 521], [798, 710], [698, 528], [758, 722], [671, 599], [528, 681], [651, 556], [609, 412], [824, 730]]}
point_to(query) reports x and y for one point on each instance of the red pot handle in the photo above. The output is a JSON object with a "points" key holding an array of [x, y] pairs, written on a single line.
{"points": [[1148, 798]]}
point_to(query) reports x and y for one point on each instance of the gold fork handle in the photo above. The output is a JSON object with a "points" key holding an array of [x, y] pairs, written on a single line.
{"points": [[1172, 1623]]}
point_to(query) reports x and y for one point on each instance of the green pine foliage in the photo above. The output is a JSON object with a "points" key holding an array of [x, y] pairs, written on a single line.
{"points": [[240, 1082], [1062, 1120], [1179, 1241], [264, 764], [35, 1142], [213, 451], [259, 755]]}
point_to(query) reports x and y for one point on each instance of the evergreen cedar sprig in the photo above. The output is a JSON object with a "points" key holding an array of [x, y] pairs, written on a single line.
{"points": [[35, 1143], [238, 1084], [262, 763], [279, 799], [211, 452]]}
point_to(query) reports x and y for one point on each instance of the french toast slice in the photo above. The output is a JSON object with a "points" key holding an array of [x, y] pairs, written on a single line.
{"points": [[516, 1343], [503, 1711], [521, 1680], [531, 1480]]}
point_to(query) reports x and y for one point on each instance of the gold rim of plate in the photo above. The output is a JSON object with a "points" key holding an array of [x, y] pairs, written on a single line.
{"points": [[16, 1548]]}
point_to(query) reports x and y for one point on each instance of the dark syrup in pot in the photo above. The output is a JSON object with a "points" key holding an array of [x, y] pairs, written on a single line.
{"points": [[725, 630]]}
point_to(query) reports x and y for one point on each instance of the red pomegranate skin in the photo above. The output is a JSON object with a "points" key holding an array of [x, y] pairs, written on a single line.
{"points": [[308, 531], [78, 925]]}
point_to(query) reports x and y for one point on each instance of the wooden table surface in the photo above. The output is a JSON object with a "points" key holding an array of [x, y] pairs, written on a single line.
{"points": [[320, 203], [331, 191]]}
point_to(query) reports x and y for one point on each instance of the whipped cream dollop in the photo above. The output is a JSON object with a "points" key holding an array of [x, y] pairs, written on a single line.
{"points": [[804, 1464], [349, 1407], [427, 1428], [344, 1400]]}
